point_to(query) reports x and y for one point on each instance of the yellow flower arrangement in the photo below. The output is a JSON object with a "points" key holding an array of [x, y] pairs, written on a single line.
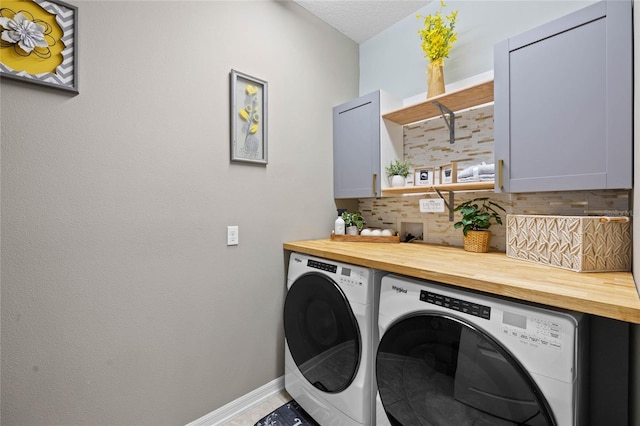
{"points": [[438, 35]]}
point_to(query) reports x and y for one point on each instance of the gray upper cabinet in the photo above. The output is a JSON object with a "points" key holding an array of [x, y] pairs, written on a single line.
{"points": [[563, 103], [362, 144]]}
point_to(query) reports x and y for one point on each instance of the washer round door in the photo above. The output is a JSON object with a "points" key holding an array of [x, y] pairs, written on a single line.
{"points": [[437, 370], [321, 332]]}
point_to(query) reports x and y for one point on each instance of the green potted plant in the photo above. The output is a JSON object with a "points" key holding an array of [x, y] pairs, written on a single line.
{"points": [[477, 217], [397, 172], [353, 222]]}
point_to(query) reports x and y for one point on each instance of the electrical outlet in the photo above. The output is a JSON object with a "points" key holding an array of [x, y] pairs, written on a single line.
{"points": [[232, 235], [432, 205]]}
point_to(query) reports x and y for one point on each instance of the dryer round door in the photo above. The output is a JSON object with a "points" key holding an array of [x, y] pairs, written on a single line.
{"points": [[321, 332], [438, 370]]}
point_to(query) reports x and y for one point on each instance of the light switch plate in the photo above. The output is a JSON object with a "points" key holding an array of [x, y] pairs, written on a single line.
{"points": [[432, 205], [232, 235]]}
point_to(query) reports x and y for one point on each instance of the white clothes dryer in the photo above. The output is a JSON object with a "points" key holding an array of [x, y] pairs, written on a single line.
{"points": [[330, 325], [449, 356]]}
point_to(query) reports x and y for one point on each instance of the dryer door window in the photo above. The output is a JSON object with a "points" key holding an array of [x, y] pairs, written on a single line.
{"points": [[322, 333], [437, 370]]}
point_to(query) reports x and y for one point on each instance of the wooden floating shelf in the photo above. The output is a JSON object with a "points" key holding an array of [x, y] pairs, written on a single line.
{"points": [[365, 238], [462, 186], [468, 97]]}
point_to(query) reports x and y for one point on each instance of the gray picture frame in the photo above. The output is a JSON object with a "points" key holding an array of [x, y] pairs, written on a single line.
{"points": [[249, 113], [65, 76]]}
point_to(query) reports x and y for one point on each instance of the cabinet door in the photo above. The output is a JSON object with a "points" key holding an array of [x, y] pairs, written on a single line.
{"points": [[356, 147], [563, 103]]}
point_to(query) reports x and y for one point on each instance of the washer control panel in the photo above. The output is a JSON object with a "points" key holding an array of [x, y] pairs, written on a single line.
{"points": [[456, 304], [531, 330]]}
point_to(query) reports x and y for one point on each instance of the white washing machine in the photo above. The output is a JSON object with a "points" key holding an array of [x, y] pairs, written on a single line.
{"points": [[330, 325], [454, 357]]}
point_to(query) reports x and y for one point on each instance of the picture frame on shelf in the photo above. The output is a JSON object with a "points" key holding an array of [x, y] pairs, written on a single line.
{"points": [[46, 55], [423, 176], [249, 118], [449, 173]]}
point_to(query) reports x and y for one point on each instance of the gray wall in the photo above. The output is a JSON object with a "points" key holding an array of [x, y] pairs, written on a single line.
{"points": [[121, 303]]}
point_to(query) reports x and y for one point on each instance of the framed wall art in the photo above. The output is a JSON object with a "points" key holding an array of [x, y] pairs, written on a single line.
{"points": [[248, 118], [38, 42], [423, 177], [449, 173]]}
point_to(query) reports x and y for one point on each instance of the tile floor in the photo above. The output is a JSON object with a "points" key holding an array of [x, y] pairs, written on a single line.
{"points": [[252, 414]]}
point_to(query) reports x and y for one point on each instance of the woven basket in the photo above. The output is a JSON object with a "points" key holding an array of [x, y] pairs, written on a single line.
{"points": [[477, 241], [578, 243]]}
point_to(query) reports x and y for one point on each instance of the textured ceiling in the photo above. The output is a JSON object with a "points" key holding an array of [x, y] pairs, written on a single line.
{"points": [[362, 19]]}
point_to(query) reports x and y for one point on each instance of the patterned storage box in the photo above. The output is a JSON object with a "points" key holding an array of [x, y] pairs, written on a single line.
{"points": [[578, 243]]}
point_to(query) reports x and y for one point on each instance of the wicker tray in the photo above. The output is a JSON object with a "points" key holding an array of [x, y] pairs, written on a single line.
{"points": [[365, 238], [578, 243]]}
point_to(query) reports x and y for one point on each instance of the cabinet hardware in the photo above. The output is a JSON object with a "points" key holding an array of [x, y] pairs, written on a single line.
{"points": [[500, 165], [374, 177], [621, 219]]}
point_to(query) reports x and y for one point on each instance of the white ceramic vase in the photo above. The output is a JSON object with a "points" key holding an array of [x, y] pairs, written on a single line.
{"points": [[397, 180]]}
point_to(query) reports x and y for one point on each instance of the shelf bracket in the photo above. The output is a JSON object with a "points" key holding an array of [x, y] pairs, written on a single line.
{"points": [[448, 204], [451, 122]]}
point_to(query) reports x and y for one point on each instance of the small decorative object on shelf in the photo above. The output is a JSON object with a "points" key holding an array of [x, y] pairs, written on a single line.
{"points": [[477, 217], [368, 235], [424, 176], [449, 173], [353, 222], [437, 37], [338, 227], [399, 169]]}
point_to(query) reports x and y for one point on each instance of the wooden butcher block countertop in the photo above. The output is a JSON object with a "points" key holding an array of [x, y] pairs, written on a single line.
{"points": [[607, 294]]}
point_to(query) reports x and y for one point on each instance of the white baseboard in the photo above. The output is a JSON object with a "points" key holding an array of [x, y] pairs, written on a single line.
{"points": [[234, 408]]}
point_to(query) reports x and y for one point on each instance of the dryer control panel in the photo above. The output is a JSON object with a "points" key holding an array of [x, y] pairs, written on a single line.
{"points": [[344, 275], [351, 276], [357, 283], [322, 266]]}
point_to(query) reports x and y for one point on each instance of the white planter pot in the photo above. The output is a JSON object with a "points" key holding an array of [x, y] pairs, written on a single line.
{"points": [[397, 180], [352, 230]]}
